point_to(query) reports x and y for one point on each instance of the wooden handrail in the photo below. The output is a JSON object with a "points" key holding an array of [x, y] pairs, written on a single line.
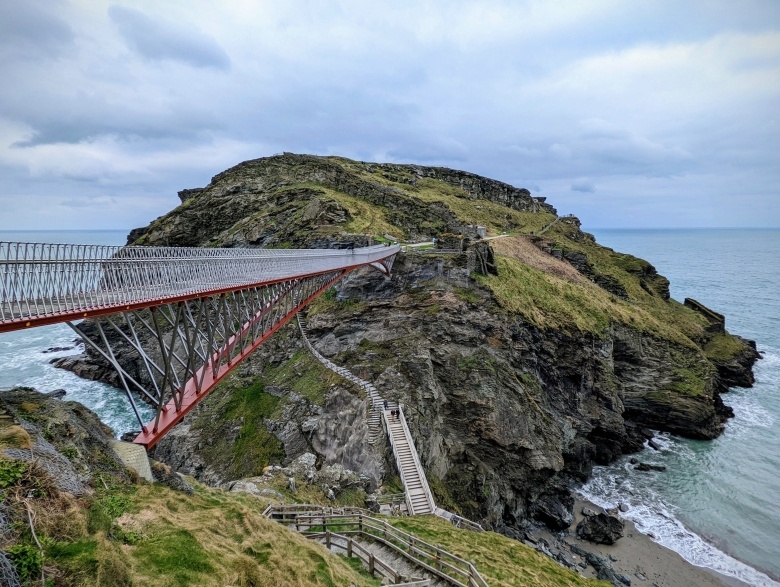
{"points": [[432, 558], [416, 458]]}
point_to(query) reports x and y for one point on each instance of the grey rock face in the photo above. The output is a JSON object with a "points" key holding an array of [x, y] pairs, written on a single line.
{"points": [[63, 438], [341, 436], [601, 529]]}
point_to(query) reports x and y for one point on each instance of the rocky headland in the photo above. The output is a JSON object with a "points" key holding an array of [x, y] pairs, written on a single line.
{"points": [[521, 361]]}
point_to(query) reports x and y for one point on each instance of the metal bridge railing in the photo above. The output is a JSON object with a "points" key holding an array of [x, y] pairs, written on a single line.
{"points": [[38, 280]]}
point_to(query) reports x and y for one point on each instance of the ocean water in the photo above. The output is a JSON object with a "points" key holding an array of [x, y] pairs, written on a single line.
{"points": [[23, 360], [718, 502]]}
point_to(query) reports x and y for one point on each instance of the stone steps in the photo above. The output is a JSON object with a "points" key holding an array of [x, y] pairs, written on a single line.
{"points": [[377, 402]]}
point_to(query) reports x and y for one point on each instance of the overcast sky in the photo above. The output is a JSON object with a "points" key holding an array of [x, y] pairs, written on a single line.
{"points": [[627, 113]]}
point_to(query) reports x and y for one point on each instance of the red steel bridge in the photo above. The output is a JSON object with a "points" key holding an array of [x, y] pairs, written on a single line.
{"points": [[189, 314]]}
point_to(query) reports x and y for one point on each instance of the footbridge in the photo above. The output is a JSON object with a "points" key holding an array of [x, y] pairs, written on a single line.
{"points": [[190, 315]]}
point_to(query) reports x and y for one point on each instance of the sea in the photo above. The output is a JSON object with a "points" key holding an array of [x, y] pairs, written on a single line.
{"points": [[718, 502], [25, 355]]}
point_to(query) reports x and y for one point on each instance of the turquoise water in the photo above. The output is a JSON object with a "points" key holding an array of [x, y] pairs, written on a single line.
{"points": [[23, 362], [718, 502]]}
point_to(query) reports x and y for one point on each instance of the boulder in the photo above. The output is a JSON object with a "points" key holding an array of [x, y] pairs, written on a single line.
{"points": [[601, 529], [649, 467], [164, 475], [554, 509]]}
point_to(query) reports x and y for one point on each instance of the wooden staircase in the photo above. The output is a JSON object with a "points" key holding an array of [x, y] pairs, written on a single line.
{"points": [[418, 495], [419, 500]]}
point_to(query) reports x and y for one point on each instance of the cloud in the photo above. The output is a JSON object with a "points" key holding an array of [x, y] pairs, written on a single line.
{"points": [[136, 102], [159, 40], [31, 28], [583, 186]]}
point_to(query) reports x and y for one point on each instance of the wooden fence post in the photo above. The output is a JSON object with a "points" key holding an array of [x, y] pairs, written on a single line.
{"points": [[349, 547], [472, 578]]}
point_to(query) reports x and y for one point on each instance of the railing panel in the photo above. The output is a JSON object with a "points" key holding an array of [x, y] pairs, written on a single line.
{"points": [[39, 280], [429, 556]]}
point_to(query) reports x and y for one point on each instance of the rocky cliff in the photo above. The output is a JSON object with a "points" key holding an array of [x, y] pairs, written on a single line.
{"points": [[515, 380]]}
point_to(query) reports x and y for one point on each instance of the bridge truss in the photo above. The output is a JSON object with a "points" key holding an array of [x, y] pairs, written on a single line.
{"points": [[188, 316]]}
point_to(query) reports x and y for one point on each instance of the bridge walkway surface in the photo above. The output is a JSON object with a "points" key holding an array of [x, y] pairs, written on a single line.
{"points": [[189, 315]]}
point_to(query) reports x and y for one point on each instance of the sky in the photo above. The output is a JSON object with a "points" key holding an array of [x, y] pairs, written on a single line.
{"points": [[625, 113]]}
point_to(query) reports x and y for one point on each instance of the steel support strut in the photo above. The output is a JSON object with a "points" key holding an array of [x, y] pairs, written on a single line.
{"points": [[184, 349]]}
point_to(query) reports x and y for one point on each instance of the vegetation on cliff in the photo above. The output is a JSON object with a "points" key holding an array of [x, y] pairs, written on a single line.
{"points": [[651, 359], [520, 363]]}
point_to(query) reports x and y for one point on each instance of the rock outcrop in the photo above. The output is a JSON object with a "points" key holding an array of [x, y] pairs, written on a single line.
{"points": [[62, 438], [518, 369], [601, 529]]}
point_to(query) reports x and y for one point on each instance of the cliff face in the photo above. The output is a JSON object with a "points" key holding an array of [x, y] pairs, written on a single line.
{"points": [[514, 384]]}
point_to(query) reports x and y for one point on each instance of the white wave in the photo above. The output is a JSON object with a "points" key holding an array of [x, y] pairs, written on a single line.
{"points": [[663, 440], [651, 515], [767, 370], [23, 362], [748, 412]]}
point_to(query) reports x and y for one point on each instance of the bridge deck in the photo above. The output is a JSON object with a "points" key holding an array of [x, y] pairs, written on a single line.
{"points": [[43, 284]]}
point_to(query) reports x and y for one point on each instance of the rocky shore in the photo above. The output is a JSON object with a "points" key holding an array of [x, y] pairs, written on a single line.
{"points": [[633, 559]]}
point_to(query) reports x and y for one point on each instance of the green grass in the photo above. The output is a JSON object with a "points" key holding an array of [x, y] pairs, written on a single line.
{"points": [[11, 472], [468, 209], [547, 301], [365, 217], [304, 375], [723, 347], [550, 302], [249, 405], [691, 373], [79, 557], [108, 505], [212, 539], [467, 294], [175, 553], [667, 319], [495, 217], [328, 302], [502, 562]]}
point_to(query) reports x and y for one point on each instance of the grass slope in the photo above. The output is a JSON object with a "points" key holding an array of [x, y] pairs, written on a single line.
{"points": [[135, 534], [139, 534], [503, 562]]}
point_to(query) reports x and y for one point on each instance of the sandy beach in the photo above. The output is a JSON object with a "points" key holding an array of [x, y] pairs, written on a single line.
{"points": [[637, 557]]}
